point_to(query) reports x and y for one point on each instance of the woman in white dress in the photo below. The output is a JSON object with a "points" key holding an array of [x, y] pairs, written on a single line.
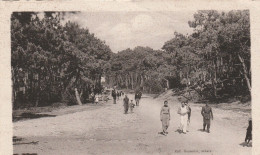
{"points": [[183, 112]]}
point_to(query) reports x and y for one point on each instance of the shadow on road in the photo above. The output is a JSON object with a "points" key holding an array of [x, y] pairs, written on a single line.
{"points": [[20, 141], [179, 131], [27, 115], [245, 144], [201, 130]]}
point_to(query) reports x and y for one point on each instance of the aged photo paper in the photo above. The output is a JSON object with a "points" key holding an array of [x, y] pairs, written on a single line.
{"points": [[129, 77]]}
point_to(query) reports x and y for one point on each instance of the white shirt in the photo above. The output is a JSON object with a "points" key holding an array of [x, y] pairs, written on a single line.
{"points": [[183, 110]]}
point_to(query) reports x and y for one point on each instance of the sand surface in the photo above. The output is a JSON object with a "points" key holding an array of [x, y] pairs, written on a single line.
{"points": [[105, 129]]}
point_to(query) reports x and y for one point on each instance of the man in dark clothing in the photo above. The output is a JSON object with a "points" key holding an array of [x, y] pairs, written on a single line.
{"points": [[207, 113], [114, 95], [189, 114], [248, 132], [138, 95], [92, 96], [118, 95]]}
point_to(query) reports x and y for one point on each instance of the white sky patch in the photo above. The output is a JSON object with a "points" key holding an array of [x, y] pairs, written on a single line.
{"points": [[40, 15], [121, 30]]}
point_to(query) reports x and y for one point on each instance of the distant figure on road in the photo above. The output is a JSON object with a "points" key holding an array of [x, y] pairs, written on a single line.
{"points": [[126, 101], [131, 106], [165, 117], [114, 95], [97, 99], [138, 96], [118, 95], [207, 113], [248, 132], [92, 97], [183, 112]]}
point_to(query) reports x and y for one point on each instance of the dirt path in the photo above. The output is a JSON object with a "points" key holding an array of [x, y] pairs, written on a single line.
{"points": [[106, 130]]}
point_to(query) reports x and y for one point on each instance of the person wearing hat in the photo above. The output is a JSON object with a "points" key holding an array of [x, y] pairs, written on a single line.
{"points": [[165, 117], [183, 112], [207, 113]]}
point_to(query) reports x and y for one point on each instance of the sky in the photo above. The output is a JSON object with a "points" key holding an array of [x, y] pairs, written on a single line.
{"points": [[122, 30]]}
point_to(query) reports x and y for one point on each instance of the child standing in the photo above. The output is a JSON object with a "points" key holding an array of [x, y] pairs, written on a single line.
{"points": [[131, 106]]}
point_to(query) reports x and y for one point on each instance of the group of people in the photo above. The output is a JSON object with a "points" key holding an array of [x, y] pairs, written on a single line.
{"points": [[128, 105], [185, 114], [116, 95], [184, 111]]}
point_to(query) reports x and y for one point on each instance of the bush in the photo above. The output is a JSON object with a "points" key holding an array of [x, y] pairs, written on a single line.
{"points": [[153, 86]]}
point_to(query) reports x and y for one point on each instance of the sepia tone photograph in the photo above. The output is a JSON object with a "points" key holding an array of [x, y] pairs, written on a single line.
{"points": [[119, 82]]}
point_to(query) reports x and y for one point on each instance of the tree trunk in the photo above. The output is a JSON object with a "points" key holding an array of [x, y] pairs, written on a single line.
{"points": [[245, 73], [78, 97], [132, 81], [215, 80], [126, 81], [142, 81]]}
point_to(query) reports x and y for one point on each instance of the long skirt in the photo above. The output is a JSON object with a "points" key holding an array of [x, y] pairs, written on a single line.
{"points": [[114, 98], [126, 108], [165, 122], [184, 122]]}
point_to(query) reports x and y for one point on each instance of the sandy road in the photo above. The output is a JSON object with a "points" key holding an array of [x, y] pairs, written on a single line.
{"points": [[106, 130]]}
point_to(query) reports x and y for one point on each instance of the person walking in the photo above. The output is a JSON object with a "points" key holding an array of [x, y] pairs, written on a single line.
{"points": [[136, 99], [92, 96], [114, 95], [138, 95], [183, 112], [117, 94], [165, 117], [189, 115], [207, 113], [248, 132], [126, 102]]}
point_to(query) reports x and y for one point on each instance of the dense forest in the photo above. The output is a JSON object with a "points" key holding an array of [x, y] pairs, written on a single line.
{"points": [[50, 59], [213, 61], [141, 68]]}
